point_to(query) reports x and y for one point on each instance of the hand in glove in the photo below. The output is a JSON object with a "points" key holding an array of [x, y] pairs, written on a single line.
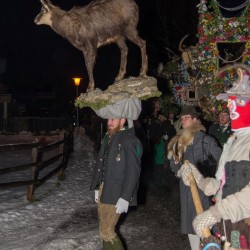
{"points": [[206, 220], [96, 195], [165, 137], [121, 206], [209, 186], [185, 171]]}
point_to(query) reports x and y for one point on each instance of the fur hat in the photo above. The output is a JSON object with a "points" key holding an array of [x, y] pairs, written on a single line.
{"points": [[189, 110]]}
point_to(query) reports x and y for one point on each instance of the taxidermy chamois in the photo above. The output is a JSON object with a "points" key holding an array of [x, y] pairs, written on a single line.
{"points": [[99, 23]]}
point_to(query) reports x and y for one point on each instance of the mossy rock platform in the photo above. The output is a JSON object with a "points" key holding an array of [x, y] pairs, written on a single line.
{"points": [[142, 88]]}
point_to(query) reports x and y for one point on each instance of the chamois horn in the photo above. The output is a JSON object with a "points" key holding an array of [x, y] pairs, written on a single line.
{"points": [[181, 42]]}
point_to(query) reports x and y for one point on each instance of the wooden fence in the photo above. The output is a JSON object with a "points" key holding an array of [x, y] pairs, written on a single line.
{"points": [[54, 154]]}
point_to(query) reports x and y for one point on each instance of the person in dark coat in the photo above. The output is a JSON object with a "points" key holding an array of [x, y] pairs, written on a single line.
{"points": [[221, 130], [187, 145], [116, 178], [231, 185], [160, 130]]}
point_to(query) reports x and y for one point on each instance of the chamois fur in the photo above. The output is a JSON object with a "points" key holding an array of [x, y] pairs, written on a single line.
{"points": [[99, 23], [178, 144]]}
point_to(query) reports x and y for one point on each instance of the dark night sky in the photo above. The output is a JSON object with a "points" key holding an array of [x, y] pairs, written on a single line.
{"points": [[39, 58]]}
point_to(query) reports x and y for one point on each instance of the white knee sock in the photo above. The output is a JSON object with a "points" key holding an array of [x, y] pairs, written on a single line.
{"points": [[194, 241]]}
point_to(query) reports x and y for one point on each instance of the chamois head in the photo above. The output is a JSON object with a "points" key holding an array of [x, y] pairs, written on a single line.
{"points": [[44, 17]]}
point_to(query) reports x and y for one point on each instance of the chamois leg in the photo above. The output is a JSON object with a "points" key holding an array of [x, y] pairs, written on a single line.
{"points": [[90, 57], [133, 37], [123, 64]]}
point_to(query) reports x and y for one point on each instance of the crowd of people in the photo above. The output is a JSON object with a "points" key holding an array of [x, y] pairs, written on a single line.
{"points": [[182, 143], [178, 137], [230, 186], [159, 128]]}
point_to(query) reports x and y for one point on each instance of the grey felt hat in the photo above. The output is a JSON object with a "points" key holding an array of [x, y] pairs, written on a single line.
{"points": [[129, 108], [189, 110]]}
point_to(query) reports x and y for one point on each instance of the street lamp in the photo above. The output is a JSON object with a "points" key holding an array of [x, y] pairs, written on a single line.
{"points": [[77, 81]]}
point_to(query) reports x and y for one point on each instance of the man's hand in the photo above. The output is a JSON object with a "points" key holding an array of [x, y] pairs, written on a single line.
{"points": [[185, 171], [206, 220], [209, 186], [121, 206], [96, 195], [165, 137]]}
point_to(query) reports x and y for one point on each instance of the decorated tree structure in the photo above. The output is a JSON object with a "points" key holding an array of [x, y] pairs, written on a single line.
{"points": [[221, 41]]}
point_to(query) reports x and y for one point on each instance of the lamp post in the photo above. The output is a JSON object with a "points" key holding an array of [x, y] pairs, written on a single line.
{"points": [[77, 81]]}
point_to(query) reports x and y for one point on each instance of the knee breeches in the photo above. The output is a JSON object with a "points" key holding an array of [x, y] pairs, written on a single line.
{"points": [[108, 219]]}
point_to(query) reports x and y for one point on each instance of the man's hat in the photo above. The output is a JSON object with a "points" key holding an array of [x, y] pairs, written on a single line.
{"points": [[189, 110]]}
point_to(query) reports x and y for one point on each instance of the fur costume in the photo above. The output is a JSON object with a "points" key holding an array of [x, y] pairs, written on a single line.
{"points": [[178, 144]]}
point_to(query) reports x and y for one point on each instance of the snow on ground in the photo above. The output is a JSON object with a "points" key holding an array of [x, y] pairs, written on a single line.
{"points": [[65, 217], [48, 222]]}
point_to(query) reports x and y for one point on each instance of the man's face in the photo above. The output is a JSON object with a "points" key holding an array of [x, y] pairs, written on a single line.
{"points": [[187, 121], [157, 108], [115, 125], [171, 115], [224, 118]]}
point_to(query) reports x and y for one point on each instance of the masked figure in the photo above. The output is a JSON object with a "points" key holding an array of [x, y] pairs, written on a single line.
{"points": [[231, 186]]}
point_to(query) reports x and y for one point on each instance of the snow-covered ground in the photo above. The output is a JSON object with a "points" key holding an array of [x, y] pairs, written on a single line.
{"points": [[47, 222], [65, 217]]}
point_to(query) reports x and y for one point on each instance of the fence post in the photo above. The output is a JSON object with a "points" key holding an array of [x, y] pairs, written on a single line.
{"points": [[33, 173], [61, 175], [63, 158]]}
